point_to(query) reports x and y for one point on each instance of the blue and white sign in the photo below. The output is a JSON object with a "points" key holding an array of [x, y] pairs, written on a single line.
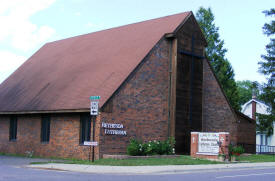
{"points": [[94, 108], [94, 105]]}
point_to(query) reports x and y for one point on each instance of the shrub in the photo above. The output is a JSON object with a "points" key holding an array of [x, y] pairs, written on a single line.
{"points": [[136, 148], [237, 150]]}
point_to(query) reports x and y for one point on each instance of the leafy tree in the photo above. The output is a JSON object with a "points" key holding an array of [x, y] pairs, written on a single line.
{"points": [[246, 89], [215, 52], [267, 67]]}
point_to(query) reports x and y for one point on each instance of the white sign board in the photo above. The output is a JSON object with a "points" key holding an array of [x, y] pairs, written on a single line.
{"points": [[208, 143], [90, 143], [94, 108]]}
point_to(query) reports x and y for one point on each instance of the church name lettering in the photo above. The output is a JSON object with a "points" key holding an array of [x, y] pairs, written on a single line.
{"points": [[115, 132], [113, 129], [110, 125]]}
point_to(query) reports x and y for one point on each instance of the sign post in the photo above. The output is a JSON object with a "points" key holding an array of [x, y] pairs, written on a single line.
{"points": [[90, 144], [94, 113]]}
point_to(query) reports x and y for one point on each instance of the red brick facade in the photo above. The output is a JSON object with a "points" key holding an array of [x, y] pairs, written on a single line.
{"points": [[64, 137], [217, 114], [245, 136], [141, 103]]}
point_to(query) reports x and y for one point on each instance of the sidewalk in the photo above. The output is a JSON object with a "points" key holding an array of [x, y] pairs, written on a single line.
{"points": [[169, 169]]}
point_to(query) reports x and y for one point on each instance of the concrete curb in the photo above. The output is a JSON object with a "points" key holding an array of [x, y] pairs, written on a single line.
{"points": [[168, 169]]}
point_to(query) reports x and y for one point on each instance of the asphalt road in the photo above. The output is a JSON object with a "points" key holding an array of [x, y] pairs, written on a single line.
{"points": [[12, 168]]}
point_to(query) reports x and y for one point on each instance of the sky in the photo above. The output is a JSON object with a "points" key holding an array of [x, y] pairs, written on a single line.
{"points": [[26, 25]]}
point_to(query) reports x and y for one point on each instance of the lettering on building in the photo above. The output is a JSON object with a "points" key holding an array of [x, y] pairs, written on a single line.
{"points": [[113, 129]]}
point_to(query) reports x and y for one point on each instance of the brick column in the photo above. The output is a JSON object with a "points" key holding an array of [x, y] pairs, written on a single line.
{"points": [[224, 138], [194, 143]]}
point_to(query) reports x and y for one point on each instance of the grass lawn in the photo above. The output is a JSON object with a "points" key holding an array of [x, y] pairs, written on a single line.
{"points": [[257, 158], [183, 160]]}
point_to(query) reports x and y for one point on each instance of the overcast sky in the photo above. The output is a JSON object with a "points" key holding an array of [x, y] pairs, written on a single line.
{"points": [[28, 24]]}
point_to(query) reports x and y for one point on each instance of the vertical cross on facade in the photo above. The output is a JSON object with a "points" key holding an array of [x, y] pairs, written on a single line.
{"points": [[193, 55], [191, 82]]}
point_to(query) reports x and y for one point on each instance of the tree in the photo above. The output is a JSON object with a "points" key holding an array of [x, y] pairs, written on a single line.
{"points": [[267, 67], [215, 53], [246, 89]]}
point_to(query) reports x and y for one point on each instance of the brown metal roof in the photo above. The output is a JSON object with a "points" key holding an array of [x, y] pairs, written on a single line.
{"points": [[62, 75]]}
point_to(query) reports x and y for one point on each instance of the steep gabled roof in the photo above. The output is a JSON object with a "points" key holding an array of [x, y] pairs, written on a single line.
{"points": [[250, 102], [62, 75]]}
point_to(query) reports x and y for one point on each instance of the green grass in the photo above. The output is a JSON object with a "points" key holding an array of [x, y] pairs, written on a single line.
{"points": [[183, 160], [257, 158], [11, 154], [53, 159]]}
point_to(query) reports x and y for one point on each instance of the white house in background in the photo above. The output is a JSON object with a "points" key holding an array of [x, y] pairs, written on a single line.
{"points": [[249, 109]]}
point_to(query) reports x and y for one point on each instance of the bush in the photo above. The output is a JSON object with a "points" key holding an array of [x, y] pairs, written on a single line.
{"points": [[137, 148], [235, 150]]}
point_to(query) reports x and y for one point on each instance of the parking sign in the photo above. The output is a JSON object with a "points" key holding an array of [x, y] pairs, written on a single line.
{"points": [[94, 105]]}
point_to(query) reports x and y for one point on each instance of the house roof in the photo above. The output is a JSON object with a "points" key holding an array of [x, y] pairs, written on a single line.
{"points": [[245, 116], [253, 100], [62, 75]]}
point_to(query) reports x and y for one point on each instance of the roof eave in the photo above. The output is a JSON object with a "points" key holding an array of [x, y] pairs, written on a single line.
{"points": [[245, 116], [44, 111]]}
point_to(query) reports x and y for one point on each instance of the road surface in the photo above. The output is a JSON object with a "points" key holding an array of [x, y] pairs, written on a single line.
{"points": [[13, 169]]}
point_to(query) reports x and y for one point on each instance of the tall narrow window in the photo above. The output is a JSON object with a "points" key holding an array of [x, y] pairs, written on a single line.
{"points": [[45, 128], [13, 128], [85, 128], [262, 140]]}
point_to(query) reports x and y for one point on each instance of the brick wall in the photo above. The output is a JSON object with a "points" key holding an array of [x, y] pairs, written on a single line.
{"points": [[140, 104], [246, 133], [217, 114], [64, 137]]}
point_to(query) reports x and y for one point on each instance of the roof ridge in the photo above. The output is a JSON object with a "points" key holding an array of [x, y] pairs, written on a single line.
{"points": [[116, 27]]}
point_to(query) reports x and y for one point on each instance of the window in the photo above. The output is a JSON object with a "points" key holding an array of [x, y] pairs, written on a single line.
{"points": [[262, 140], [13, 128], [45, 128], [85, 128]]}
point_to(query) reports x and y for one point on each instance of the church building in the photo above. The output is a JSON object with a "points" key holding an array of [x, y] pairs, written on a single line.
{"points": [[153, 80]]}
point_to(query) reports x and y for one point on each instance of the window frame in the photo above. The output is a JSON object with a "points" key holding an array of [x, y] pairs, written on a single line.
{"points": [[45, 129], [13, 128], [85, 128]]}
